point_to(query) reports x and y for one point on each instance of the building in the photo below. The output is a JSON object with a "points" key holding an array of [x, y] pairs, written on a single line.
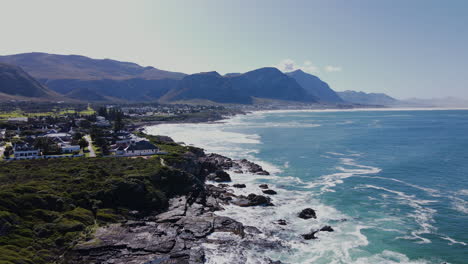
{"points": [[140, 148], [25, 151], [102, 122], [63, 140], [2, 134], [67, 148]]}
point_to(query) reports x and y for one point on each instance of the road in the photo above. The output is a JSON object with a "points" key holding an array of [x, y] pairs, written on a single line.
{"points": [[2, 149], [92, 154]]}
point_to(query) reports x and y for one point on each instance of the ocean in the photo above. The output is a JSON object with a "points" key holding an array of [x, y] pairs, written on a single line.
{"points": [[393, 184]]}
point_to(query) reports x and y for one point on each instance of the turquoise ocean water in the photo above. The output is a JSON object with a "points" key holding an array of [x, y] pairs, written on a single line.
{"points": [[393, 184]]}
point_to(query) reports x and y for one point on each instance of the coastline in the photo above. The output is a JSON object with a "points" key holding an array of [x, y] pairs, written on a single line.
{"points": [[201, 218]]}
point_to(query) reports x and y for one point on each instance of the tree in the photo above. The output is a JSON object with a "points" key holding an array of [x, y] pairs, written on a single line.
{"points": [[102, 111], [118, 123], [83, 143], [8, 151]]}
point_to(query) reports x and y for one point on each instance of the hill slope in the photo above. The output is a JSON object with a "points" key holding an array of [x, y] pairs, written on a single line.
{"points": [[315, 86], [16, 82], [367, 98], [44, 66], [261, 83]]}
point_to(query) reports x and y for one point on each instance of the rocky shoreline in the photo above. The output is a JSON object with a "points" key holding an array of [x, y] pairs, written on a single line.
{"points": [[190, 225]]}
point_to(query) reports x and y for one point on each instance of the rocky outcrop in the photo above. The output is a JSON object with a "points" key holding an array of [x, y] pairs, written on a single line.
{"points": [[252, 167], [219, 176], [239, 185], [307, 214], [269, 192], [252, 200], [327, 229], [212, 162], [310, 235]]}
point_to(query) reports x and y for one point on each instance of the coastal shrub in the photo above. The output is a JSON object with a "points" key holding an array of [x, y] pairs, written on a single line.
{"points": [[47, 205]]}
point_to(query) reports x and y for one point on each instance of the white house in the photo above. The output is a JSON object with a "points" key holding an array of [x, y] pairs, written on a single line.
{"points": [[140, 148], [25, 151], [2, 133], [67, 148]]}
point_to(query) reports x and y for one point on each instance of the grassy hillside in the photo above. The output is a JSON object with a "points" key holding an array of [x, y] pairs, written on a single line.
{"points": [[46, 206]]}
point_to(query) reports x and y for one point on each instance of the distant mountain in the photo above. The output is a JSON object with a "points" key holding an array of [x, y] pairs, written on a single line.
{"points": [[110, 90], [368, 98], [87, 79], [435, 102], [267, 83], [316, 87], [44, 66], [14, 81]]}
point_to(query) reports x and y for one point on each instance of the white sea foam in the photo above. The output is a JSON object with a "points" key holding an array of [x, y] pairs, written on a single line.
{"points": [[341, 246], [453, 241], [423, 216], [327, 182], [430, 191]]}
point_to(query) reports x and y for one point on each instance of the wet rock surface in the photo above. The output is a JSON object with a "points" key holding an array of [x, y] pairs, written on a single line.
{"points": [[307, 213], [269, 192], [219, 176], [183, 234], [177, 235]]}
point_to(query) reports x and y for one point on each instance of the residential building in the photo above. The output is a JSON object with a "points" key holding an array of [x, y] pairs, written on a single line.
{"points": [[25, 151]]}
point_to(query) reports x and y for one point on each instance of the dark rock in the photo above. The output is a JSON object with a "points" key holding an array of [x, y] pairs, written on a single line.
{"points": [[219, 176], [307, 213], [238, 185], [270, 192], [281, 222], [253, 200], [263, 186], [226, 224], [223, 185], [238, 171], [252, 167], [327, 229], [252, 230], [310, 235]]}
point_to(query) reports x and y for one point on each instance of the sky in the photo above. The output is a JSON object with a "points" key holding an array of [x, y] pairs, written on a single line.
{"points": [[416, 48]]}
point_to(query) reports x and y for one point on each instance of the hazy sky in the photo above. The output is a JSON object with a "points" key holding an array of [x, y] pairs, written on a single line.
{"points": [[405, 48]]}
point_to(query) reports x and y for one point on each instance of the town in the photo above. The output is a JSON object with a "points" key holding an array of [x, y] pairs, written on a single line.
{"points": [[108, 131]]}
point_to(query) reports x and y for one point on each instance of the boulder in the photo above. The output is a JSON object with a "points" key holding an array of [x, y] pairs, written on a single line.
{"points": [[219, 176], [239, 185], [310, 235], [252, 200], [281, 222], [270, 192], [263, 186], [307, 214], [327, 229]]}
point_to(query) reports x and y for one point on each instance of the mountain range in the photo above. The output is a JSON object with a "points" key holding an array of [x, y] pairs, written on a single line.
{"points": [[368, 98], [74, 77]]}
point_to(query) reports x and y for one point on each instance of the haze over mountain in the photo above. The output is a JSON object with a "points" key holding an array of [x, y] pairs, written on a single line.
{"points": [[44, 66], [368, 98], [15, 83], [313, 85], [88, 79]]}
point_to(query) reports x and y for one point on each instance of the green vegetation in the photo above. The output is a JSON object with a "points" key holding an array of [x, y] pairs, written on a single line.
{"points": [[46, 206], [30, 109]]}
